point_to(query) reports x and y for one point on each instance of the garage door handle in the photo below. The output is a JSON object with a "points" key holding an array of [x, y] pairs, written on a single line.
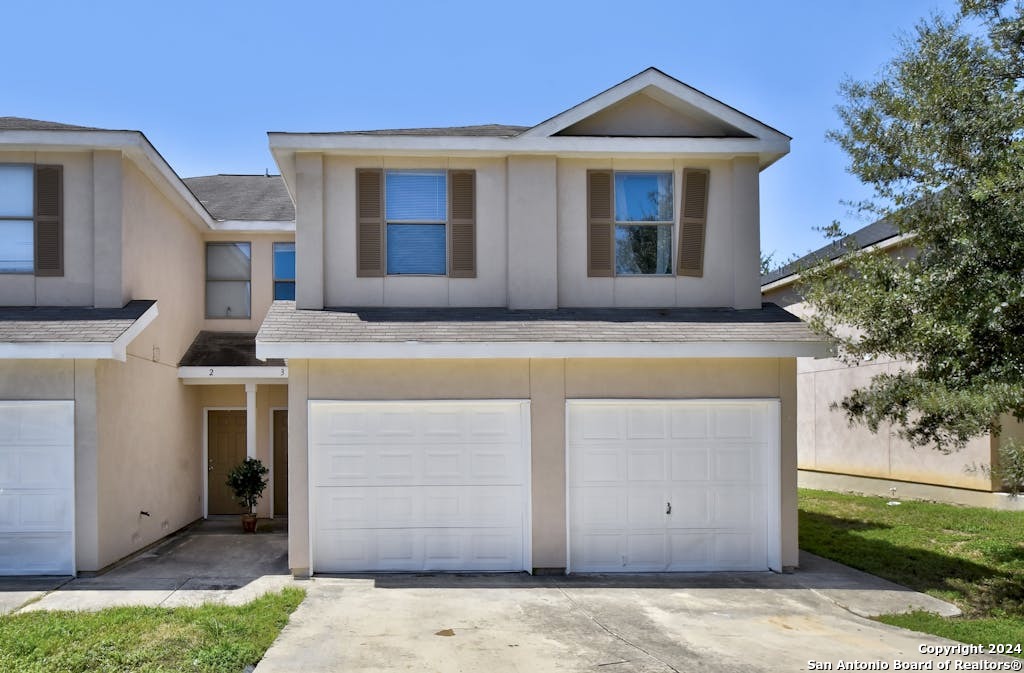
{"points": [[668, 508]]}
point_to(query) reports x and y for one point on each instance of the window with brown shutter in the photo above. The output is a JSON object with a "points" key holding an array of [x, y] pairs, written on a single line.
{"points": [[49, 221], [693, 222], [462, 224], [369, 222], [600, 243]]}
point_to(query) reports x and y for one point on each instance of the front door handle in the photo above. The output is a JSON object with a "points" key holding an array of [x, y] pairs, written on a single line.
{"points": [[209, 467], [668, 508]]}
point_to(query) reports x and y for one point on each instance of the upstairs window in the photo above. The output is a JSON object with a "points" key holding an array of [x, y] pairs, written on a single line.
{"points": [[643, 223], [416, 215], [284, 271], [228, 280], [31, 219], [16, 219]]}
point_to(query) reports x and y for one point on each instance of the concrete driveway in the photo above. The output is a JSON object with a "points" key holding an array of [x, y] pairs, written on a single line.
{"points": [[691, 622]]}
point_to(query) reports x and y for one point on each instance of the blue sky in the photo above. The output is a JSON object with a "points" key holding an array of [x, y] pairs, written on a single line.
{"points": [[206, 80]]}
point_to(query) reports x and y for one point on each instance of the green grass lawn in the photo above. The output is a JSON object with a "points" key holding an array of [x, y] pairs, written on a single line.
{"points": [[211, 638], [969, 556]]}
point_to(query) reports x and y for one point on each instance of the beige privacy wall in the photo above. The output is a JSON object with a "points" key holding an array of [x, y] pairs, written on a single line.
{"points": [[547, 383], [827, 442]]}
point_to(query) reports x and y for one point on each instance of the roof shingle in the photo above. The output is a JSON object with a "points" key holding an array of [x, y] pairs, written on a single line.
{"points": [[244, 197], [68, 324], [286, 324]]}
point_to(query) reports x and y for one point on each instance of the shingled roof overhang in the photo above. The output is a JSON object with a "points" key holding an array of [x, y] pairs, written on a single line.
{"points": [[382, 333], [68, 332]]}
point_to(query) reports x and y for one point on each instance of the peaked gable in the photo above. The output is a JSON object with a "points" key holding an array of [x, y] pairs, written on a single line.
{"points": [[652, 104]]}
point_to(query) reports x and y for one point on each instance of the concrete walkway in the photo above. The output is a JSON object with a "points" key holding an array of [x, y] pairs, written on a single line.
{"points": [[210, 561], [716, 622]]}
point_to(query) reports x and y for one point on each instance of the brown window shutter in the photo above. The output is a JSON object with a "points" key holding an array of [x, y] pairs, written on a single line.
{"points": [[693, 222], [600, 237], [462, 224], [369, 222], [49, 221]]}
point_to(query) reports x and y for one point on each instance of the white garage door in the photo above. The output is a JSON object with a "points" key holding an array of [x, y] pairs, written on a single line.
{"points": [[673, 485], [37, 488], [409, 486]]}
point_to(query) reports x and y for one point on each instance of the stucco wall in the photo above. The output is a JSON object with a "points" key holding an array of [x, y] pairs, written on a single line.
{"points": [[828, 443], [75, 287], [717, 287], [547, 384], [148, 453], [343, 288]]}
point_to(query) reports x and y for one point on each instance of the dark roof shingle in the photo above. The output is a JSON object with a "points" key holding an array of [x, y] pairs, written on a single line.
{"points": [[284, 323], [25, 124], [875, 232], [68, 324], [244, 197], [480, 130], [225, 349]]}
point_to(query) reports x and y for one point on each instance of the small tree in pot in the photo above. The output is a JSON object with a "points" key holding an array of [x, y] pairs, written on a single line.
{"points": [[247, 482]]}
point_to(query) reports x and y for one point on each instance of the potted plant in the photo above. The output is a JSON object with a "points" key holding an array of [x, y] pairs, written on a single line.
{"points": [[247, 482]]}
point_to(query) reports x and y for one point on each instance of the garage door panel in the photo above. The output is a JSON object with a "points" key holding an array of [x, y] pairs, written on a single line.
{"points": [[690, 464], [36, 487], [691, 506], [704, 458], [421, 506], [412, 549], [409, 486]]}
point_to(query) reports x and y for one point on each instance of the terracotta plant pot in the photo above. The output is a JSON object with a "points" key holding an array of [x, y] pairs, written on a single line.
{"points": [[249, 523]]}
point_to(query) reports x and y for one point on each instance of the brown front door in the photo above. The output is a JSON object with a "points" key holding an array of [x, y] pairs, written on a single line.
{"points": [[280, 462], [226, 448]]}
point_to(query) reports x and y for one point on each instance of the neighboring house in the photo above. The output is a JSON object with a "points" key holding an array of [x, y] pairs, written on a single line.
{"points": [[110, 268], [509, 348], [834, 454]]}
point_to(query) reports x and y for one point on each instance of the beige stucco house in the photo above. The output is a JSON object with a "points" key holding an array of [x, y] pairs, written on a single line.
{"points": [[832, 453], [479, 348]]}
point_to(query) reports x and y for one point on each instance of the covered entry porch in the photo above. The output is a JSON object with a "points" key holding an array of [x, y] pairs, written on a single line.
{"points": [[243, 406]]}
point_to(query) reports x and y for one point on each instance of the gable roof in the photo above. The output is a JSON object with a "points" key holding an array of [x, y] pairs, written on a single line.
{"points": [[874, 233], [705, 128], [654, 80], [244, 197]]}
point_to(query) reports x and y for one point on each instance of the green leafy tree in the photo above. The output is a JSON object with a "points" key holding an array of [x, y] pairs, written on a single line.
{"points": [[939, 136]]}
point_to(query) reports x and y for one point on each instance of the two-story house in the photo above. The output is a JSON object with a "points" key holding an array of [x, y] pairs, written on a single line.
{"points": [[484, 348], [539, 348]]}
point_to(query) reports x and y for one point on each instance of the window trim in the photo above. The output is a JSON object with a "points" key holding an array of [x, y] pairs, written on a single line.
{"points": [[616, 223], [445, 223], [274, 280], [207, 281]]}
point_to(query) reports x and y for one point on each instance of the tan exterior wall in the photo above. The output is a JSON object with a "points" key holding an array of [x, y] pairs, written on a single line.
{"points": [[547, 384], [724, 283], [75, 287], [261, 288], [828, 443], [268, 398], [343, 288]]}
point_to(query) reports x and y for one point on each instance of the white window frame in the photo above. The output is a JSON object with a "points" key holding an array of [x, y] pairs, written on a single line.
{"points": [[444, 222], [208, 280], [31, 219], [616, 223], [273, 268]]}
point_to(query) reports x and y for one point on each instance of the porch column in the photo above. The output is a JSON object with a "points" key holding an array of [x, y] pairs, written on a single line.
{"points": [[250, 420]]}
